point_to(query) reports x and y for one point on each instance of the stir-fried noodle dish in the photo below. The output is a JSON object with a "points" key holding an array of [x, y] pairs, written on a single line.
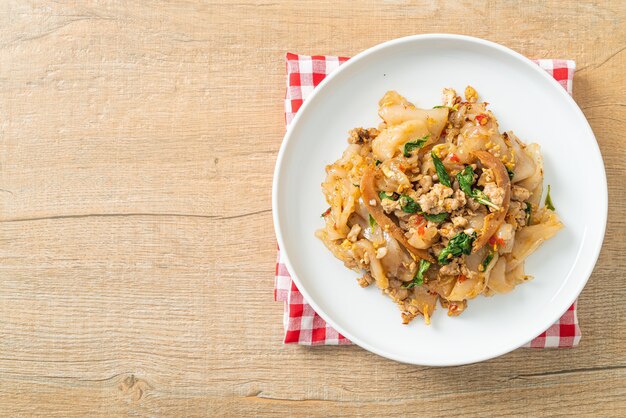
{"points": [[436, 204]]}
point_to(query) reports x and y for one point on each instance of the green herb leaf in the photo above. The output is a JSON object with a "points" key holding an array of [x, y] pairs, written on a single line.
{"points": [[548, 201], [419, 276], [436, 218], [510, 173], [409, 205], [466, 179], [378, 162], [529, 212], [455, 107], [482, 198], [423, 268], [487, 260], [444, 178], [439, 107], [372, 222], [459, 244], [384, 195], [416, 143]]}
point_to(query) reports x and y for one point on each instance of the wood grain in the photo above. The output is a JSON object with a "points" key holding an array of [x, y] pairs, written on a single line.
{"points": [[137, 143]]}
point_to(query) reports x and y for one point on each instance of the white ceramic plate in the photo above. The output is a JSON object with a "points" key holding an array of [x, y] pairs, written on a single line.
{"points": [[524, 99]]}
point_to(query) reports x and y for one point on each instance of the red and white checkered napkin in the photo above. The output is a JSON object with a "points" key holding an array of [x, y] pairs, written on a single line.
{"points": [[302, 324]]}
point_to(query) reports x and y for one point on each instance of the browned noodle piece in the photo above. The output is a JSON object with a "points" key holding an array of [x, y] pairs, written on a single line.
{"points": [[494, 219], [368, 192]]}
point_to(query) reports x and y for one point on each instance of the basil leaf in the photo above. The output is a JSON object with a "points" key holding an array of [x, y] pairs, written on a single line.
{"points": [[372, 222], [529, 212], [378, 162], [482, 198], [423, 268], [459, 244], [548, 201], [416, 143], [487, 260], [444, 178], [436, 218], [466, 179], [384, 195], [408, 205], [419, 276]]}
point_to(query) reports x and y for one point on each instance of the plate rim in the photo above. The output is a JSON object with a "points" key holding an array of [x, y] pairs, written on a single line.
{"points": [[352, 61]]}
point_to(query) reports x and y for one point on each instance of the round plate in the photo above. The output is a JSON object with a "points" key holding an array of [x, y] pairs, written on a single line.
{"points": [[526, 100]]}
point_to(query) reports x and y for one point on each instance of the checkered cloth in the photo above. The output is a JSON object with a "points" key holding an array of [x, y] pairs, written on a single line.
{"points": [[302, 324]]}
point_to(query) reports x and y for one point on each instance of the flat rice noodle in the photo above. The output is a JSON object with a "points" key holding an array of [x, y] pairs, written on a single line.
{"points": [[394, 109], [391, 140], [475, 259], [497, 280], [477, 221], [494, 219], [517, 275], [442, 285], [534, 183], [361, 210], [394, 176], [363, 246], [506, 233], [524, 165], [342, 253], [368, 190], [471, 287], [474, 138], [529, 238], [375, 235], [341, 195], [428, 166], [468, 288], [404, 123], [467, 145], [396, 260]]}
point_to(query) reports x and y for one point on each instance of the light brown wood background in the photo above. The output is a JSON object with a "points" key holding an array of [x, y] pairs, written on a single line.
{"points": [[137, 144]]}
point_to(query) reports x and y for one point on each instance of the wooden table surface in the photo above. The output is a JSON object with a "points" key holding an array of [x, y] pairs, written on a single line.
{"points": [[137, 144]]}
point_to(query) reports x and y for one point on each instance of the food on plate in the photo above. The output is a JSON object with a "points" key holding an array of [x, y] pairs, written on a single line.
{"points": [[436, 204]]}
